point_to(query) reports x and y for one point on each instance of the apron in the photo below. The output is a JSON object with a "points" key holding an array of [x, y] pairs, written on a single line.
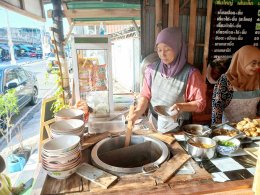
{"points": [[242, 105], [168, 91]]}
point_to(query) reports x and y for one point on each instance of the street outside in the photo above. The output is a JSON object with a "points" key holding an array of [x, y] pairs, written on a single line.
{"points": [[31, 113]]}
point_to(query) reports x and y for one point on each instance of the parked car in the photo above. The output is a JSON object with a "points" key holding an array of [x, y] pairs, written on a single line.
{"points": [[32, 54], [25, 83], [38, 52]]}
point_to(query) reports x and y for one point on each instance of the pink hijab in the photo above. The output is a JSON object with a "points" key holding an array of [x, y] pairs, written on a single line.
{"points": [[173, 38], [236, 74]]}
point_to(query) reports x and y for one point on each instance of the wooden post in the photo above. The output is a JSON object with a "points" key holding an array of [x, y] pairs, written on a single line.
{"points": [[176, 13], [158, 17], [207, 36], [192, 31], [170, 13], [57, 29], [256, 185]]}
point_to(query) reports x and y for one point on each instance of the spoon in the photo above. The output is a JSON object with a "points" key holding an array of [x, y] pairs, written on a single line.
{"points": [[192, 140], [236, 136], [206, 131], [219, 125]]}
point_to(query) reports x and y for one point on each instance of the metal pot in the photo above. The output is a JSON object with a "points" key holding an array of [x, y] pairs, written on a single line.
{"points": [[195, 130], [144, 153], [201, 152]]}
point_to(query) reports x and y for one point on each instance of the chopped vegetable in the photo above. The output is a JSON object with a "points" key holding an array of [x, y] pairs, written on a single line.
{"points": [[225, 143]]}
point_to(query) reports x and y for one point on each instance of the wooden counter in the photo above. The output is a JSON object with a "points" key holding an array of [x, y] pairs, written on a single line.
{"points": [[199, 183]]}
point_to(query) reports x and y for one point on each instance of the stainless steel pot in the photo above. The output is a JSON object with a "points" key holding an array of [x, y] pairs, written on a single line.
{"points": [[144, 153], [200, 152], [195, 130]]}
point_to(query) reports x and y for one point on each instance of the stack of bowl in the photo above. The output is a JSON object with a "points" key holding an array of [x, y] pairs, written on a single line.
{"points": [[61, 156], [68, 127]]}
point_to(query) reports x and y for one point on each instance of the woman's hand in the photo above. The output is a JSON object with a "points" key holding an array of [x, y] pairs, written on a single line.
{"points": [[140, 108]]}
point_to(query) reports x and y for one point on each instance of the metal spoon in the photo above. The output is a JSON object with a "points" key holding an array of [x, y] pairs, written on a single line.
{"points": [[192, 140], [206, 131], [219, 125], [236, 136]]}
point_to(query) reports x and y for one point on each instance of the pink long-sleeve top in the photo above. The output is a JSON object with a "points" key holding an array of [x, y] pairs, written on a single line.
{"points": [[195, 90]]}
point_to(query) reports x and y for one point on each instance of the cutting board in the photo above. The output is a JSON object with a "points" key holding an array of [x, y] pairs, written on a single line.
{"points": [[169, 168], [96, 175]]}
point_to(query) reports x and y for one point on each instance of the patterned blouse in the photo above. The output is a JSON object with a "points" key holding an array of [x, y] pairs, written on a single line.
{"points": [[222, 95]]}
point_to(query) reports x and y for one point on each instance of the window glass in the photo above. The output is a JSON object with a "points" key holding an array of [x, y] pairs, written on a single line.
{"points": [[11, 77], [21, 75]]}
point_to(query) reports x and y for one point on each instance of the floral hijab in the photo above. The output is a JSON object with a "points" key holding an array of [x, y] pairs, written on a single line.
{"points": [[173, 38], [236, 73]]}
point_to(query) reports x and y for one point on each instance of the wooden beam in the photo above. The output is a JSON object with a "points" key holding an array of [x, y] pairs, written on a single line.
{"points": [[170, 13], [117, 22], [65, 8], [176, 13], [192, 31], [207, 35], [102, 13], [158, 17], [21, 11]]}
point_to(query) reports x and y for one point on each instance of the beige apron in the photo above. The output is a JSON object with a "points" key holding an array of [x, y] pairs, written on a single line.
{"points": [[243, 104]]}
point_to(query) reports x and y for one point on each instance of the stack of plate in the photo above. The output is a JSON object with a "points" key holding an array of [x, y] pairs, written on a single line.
{"points": [[68, 127], [61, 156]]}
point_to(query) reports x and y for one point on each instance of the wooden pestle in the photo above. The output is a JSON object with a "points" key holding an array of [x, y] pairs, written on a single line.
{"points": [[129, 127]]}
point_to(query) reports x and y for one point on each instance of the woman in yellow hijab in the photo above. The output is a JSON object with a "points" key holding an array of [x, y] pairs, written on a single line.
{"points": [[237, 92]]}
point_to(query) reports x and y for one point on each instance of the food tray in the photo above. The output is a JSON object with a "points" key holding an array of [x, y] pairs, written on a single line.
{"points": [[225, 130], [246, 128]]}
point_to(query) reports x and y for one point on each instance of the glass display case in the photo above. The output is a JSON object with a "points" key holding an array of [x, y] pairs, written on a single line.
{"points": [[92, 73]]}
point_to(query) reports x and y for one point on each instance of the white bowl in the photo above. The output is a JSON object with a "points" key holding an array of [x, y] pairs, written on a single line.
{"points": [[65, 126], [62, 174], [226, 150], [61, 144], [164, 111], [69, 113]]}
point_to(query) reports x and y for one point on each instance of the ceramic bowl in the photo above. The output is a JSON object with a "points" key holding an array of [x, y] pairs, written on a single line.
{"points": [[61, 144], [164, 111], [65, 126], [62, 174], [226, 150], [69, 113]]}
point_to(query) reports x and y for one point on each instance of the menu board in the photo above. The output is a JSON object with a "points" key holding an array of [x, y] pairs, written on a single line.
{"points": [[234, 23]]}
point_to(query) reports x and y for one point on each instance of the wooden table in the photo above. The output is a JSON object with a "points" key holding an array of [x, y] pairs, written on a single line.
{"points": [[199, 183]]}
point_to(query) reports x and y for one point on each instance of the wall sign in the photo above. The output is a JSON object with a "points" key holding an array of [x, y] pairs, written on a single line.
{"points": [[234, 23]]}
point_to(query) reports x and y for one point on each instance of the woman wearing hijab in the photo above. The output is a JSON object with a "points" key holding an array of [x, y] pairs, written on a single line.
{"points": [[237, 92], [171, 82]]}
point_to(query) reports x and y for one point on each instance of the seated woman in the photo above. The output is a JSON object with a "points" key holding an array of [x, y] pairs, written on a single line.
{"points": [[237, 92]]}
